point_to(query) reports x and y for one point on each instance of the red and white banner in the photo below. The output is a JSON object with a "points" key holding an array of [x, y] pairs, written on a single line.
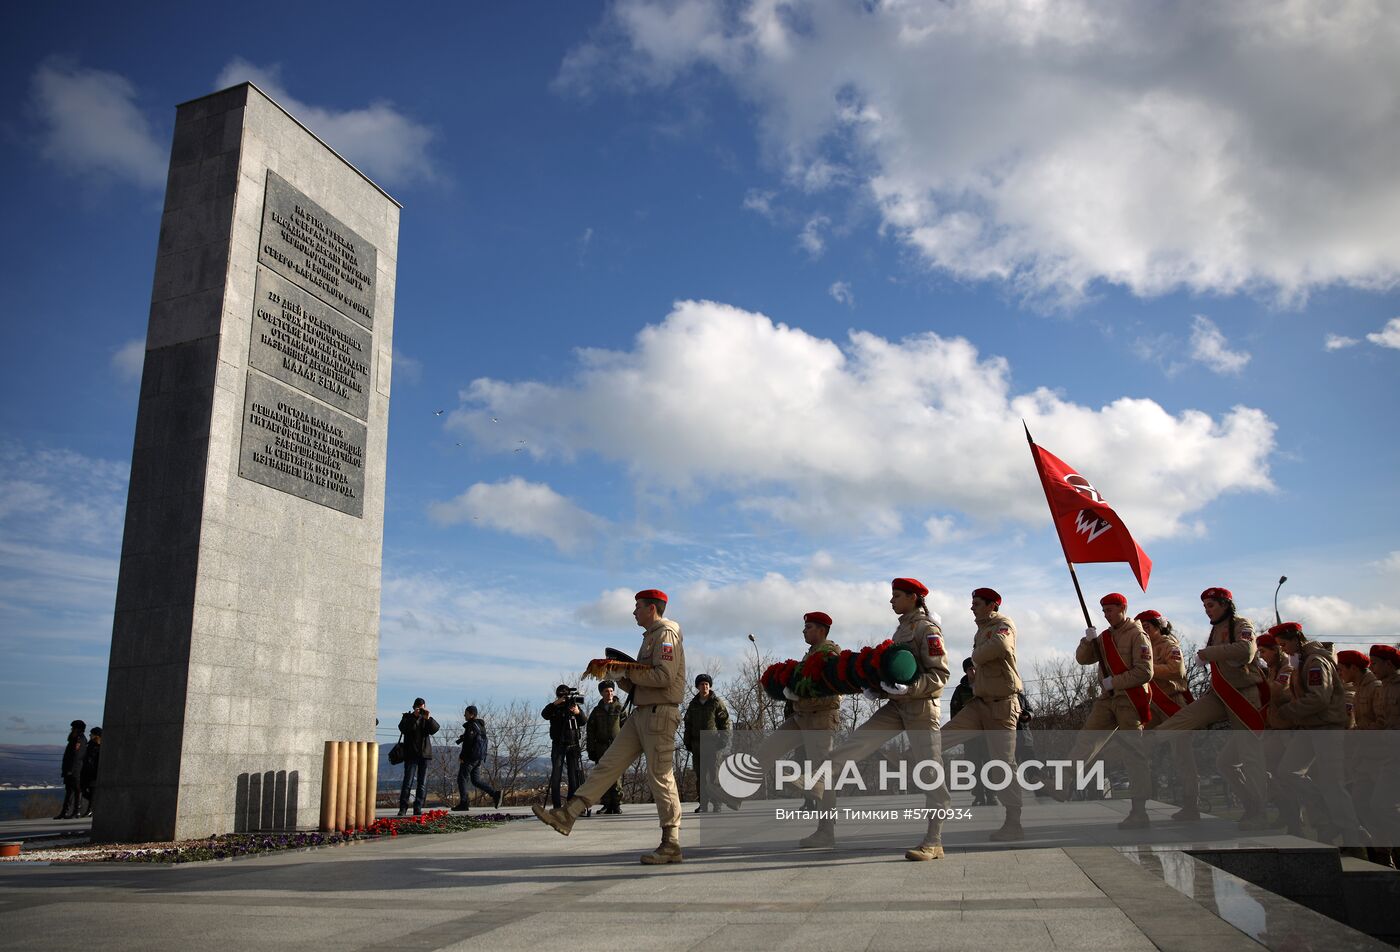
{"points": [[1089, 530]]}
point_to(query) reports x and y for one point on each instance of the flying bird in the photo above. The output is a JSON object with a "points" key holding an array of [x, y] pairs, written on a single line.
{"points": [[495, 420], [439, 412]]}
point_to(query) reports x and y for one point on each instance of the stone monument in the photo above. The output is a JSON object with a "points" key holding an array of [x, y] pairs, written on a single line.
{"points": [[246, 631]]}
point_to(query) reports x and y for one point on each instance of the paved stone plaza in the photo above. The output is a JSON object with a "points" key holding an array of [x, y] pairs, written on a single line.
{"points": [[524, 887]]}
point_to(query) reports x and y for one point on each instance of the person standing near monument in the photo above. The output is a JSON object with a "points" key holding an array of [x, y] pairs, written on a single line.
{"points": [[1234, 696], [910, 708], [1383, 812], [706, 713], [657, 682], [1123, 654], [1170, 694], [71, 770], [995, 707], [87, 778], [475, 744], [604, 724], [417, 727]]}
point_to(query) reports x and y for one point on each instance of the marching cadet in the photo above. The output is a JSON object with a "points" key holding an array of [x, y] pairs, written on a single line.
{"points": [[657, 683], [1278, 672], [1355, 669], [1124, 656], [1315, 701], [811, 725], [1384, 810], [604, 724], [995, 707], [912, 708], [1363, 709], [1234, 696], [1170, 693]]}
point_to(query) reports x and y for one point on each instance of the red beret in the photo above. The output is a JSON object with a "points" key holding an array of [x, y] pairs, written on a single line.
{"points": [[1113, 598], [1266, 640], [911, 585], [1388, 652], [655, 593], [1354, 658], [1289, 629], [821, 618], [1218, 594], [987, 595], [1151, 614]]}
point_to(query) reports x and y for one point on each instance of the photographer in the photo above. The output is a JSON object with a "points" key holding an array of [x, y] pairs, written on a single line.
{"points": [[566, 724], [417, 727]]}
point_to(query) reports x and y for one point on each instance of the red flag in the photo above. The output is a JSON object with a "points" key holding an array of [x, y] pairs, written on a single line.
{"points": [[1089, 530]]}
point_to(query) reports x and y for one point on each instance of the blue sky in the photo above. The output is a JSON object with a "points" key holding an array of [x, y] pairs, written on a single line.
{"points": [[765, 289]]}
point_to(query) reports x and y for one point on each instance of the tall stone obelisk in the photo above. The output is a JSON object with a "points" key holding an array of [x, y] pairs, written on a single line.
{"points": [[246, 631]]}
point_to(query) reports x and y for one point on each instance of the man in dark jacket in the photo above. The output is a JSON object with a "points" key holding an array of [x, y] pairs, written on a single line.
{"points": [[706, 712], [975, 750], [566, 724], [71, 769], [604, 724], [418, 728], [87, 777], [474, 747]]}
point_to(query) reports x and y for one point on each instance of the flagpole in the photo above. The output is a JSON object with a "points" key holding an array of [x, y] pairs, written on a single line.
{"points": [[1088, 622]]}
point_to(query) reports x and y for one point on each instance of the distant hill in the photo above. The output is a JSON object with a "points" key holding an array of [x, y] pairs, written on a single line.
{"points": [[30, 763]]}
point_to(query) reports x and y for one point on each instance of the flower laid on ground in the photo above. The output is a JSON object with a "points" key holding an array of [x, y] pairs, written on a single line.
{"points": [[231, 845]]}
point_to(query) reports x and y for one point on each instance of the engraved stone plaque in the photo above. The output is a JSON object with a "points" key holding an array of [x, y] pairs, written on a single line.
{"points": [[292, 443], [310, 345], [307, 244]]}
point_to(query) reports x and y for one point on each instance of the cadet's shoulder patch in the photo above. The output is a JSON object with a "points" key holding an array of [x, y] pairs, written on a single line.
{"points": [[1314, 677], [668, 651], [1145, 652], [1174, 654], [1246, 633], [935, 645], [1003, 630], [1281, 678]]}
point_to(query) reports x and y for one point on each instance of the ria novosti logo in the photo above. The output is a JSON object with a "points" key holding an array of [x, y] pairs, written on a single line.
{"points": [[741, 775]]}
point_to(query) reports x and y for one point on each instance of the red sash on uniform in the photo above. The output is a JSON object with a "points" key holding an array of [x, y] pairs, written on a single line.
{"points": [[1164, 702], [1238, 704], [1142, 694]]}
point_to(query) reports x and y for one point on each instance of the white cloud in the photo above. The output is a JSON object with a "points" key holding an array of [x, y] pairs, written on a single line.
{"points": [[761, 201], [811, 238], [522, 508], [129, 359], [943, 529], [1337, 342], [1388, 336], [718, 399], [841, 292], [1053, 146], [1209, 347], [92, 125], [1391, 563], [378, 138], [1327, 616], [407, 369]]}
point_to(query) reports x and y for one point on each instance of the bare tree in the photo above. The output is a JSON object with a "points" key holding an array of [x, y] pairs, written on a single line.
{"points": [[518, 738]]}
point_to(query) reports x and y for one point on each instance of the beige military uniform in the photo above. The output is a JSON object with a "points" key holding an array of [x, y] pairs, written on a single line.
{"points": [[1363, 699], [1241, 758], [1169, 681], [813, 722], [1311, 768], [915, 713], [994, 709], [1115, 708], [651, 729], [1383, 812]]}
